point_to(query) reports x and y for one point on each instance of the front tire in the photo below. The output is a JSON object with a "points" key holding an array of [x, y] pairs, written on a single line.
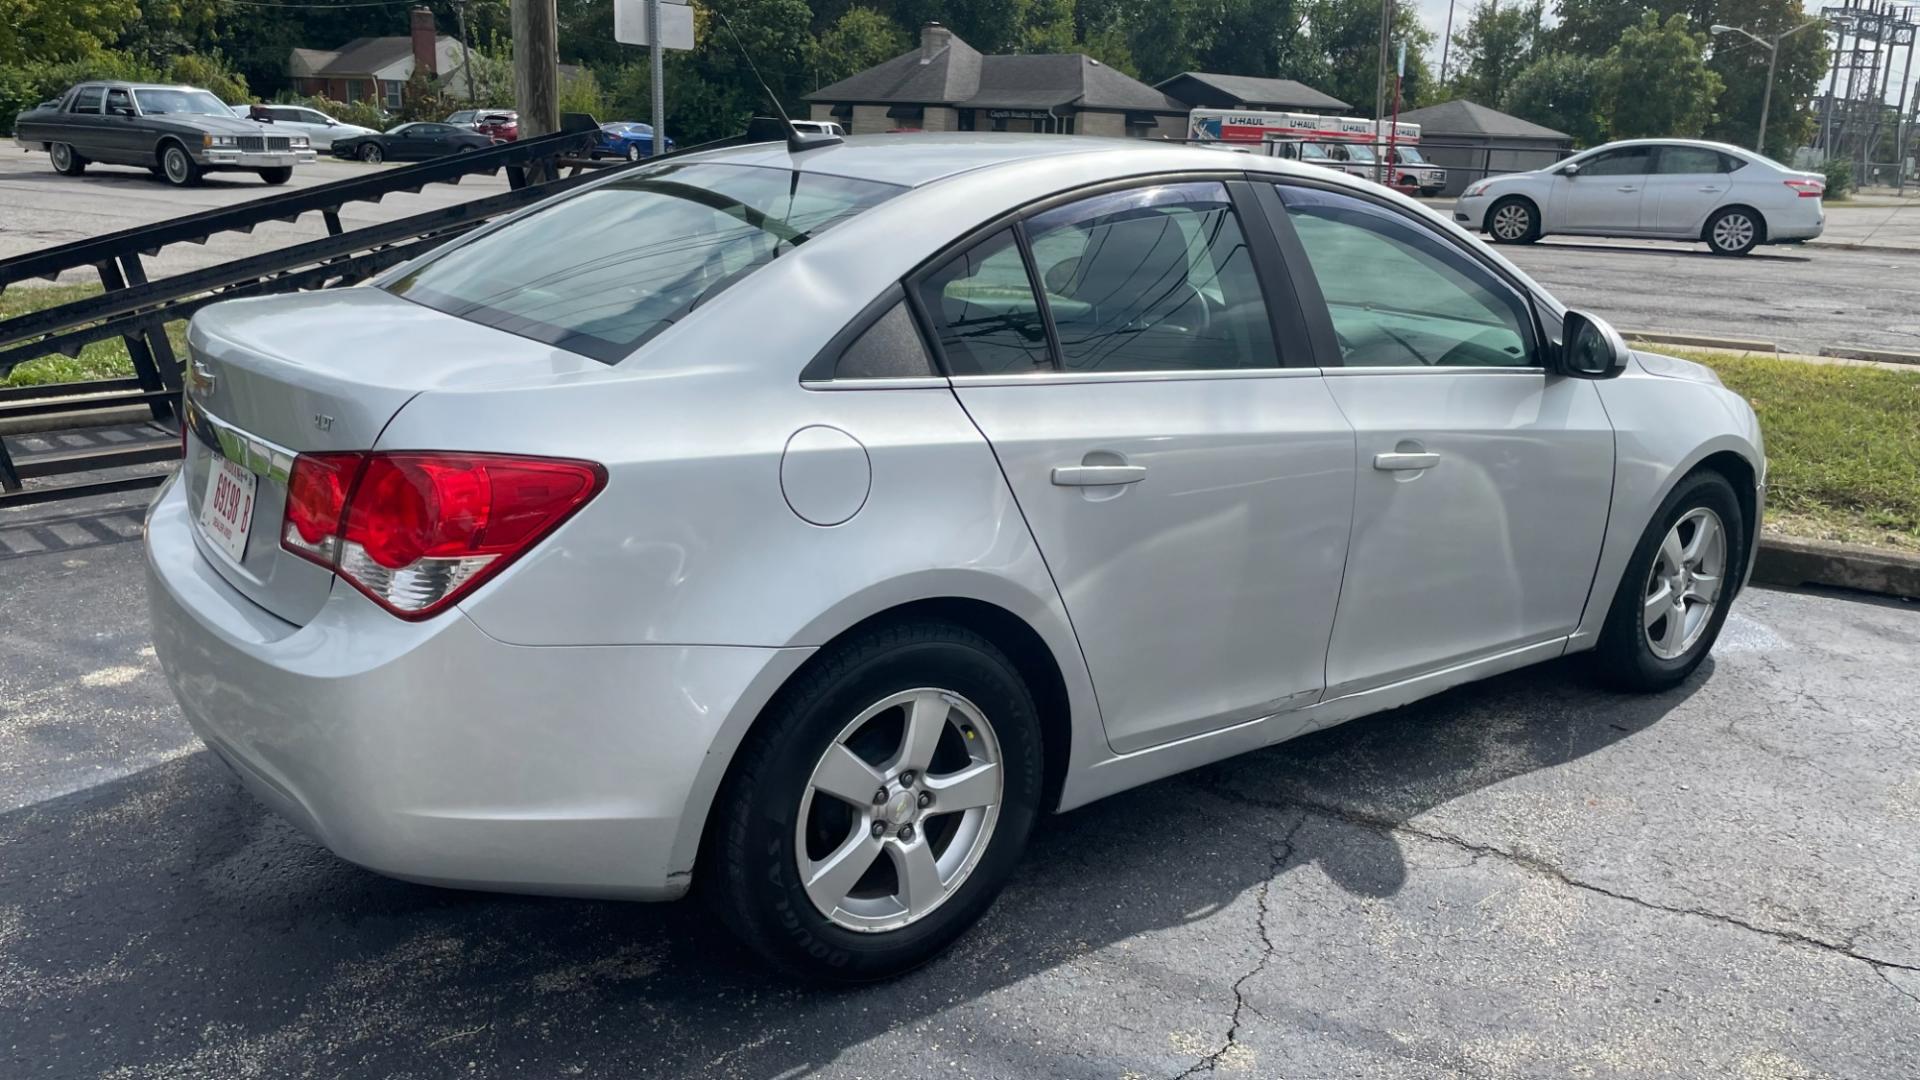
{"points": [[177, 167], [1733, 231], [1513, 220], [880, 804], [65, 161], [633, 152], [1674, 596], [370, 153], [277, 176]]}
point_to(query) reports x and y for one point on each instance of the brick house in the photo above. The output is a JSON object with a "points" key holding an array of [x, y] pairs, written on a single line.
{"points": [[375, 68]]}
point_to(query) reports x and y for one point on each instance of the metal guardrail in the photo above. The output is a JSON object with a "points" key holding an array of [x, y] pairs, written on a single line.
{"points": [[137, 310]]}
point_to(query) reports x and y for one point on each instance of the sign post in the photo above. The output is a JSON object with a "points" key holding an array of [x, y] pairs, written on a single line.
{"points": [[659, 25]]}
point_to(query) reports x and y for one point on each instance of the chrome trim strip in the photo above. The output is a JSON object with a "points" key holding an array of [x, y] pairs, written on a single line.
{"points": [[905, 382], [264, 459], [1423, 369], [1074, 377]]}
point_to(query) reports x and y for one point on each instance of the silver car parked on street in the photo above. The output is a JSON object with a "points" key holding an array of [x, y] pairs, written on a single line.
{"points": [[806, 522]]}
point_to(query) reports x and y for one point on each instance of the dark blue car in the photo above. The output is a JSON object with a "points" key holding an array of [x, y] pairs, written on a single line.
{"points": [[627, 139]]}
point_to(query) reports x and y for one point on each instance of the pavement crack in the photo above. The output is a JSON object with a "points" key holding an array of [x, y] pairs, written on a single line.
{"points": [[1546, 869], [1279, 853], [1881, 970]]}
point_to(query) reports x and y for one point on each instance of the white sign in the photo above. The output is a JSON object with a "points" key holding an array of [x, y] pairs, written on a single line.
{"points": [[676, 23]]}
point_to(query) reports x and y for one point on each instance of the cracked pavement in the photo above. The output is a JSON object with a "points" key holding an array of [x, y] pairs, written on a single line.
{"points": [[1527, 877]]}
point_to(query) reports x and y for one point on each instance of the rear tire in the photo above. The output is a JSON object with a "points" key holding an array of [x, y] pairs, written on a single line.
{"points": [[1649, 644], [277, 176], [1513, 220], [776, 824], [66, 161], [1733, 231]]}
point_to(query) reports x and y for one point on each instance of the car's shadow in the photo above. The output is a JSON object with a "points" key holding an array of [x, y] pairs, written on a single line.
{"points": [[166, 923], [1761, 254], [138, 177]]}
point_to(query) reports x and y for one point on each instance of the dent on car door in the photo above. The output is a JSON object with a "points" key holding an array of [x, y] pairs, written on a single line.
{"points": [[1482, 481], [1189, 493]]}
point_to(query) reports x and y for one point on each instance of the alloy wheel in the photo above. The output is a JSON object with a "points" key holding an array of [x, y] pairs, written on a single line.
{"points": [[1511, 222], [633, 152], [899, 810], [1733, 232], [1689, 572], [370, 154]]}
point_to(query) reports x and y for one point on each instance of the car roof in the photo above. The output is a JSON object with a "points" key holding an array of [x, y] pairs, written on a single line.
{"points": [[912, 159], [122, 84]]}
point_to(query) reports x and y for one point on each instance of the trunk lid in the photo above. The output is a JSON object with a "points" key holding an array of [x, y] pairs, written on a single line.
{"points": [[273, 377]]}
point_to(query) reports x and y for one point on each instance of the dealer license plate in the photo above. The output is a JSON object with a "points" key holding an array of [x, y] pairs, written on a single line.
{"points": [[226, 512]]}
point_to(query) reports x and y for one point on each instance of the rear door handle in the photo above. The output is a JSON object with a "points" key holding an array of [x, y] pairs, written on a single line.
{"points": [[1710, 189], [1627, 187], [1097, 475], [1404, 462]]}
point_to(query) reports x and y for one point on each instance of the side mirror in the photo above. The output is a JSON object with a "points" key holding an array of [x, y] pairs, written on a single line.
{"points": [[1570, 171], [1589, 348]]}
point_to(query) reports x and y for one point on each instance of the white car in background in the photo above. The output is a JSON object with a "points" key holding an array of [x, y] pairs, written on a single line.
{"points": [[1659, 189], [320, 129]]}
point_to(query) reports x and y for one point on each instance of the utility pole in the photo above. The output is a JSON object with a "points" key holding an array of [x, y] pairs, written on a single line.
{"points": [[1382, 51], [1446, 40], [536, 66], [466, 52], [657, 58]]}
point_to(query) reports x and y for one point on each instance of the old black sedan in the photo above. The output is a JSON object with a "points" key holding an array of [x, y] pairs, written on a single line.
{"points": [[411, 142], [178, 133]]}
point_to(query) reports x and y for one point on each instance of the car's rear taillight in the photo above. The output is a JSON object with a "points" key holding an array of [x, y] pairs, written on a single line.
{"points": [[1807, 189], [416, 530]]}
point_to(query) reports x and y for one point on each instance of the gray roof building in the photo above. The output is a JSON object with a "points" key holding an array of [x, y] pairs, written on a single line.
{"points": [[1473, 141], [946, 84], [1208, 90], [1461, 117]]}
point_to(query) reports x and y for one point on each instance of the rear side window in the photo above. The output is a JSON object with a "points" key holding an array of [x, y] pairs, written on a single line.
{"points": [[601, 272], [1688, 160], [985, 312], [88, 99]]}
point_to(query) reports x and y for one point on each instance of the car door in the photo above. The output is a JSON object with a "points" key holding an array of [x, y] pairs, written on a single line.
{"points": [[1605, 195], [1189, 493], [120, 137], [1482, 481], [1688, 183], [83, 124]]}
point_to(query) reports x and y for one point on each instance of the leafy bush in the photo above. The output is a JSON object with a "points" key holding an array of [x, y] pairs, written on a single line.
{"points": [[581, 94], [1839, 173], [209, 71], [23, 86], [364, 114]]}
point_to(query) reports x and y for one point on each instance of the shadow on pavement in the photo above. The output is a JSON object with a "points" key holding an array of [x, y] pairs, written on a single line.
{"points": [[167, 924]]}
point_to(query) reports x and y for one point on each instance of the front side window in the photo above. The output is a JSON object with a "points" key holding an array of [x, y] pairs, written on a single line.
{"points": [[88, 100], [1152, 279], [1631, 161], [984, 311], [1682, 160], [118, 102], [600, 272], [1401, 296]]}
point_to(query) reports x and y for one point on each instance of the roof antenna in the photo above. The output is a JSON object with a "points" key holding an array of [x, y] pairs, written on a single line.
{"points": [[796, 140]]}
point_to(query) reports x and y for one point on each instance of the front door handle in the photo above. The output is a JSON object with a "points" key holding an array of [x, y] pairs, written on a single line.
{"points": [[1627, 187], [1710, 189], [1097, 475], [1404, 462]]}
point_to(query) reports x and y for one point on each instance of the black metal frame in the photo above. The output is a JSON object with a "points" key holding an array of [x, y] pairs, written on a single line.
{"points": [[136, 309]]}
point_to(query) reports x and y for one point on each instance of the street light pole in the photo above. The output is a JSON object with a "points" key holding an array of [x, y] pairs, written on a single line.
{"points": [[1773, 64]]}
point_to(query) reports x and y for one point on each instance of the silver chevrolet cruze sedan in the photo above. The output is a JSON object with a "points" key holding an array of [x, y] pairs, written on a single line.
{"points": [[802, 523]]}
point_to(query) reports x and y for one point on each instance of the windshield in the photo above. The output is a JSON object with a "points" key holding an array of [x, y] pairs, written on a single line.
{"points": [[191, 102], [602, 271], [1313, 152], [1356, 152], [1410, 156]]}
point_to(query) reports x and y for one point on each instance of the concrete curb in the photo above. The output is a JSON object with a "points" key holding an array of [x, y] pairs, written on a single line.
{"points": [[1878, 356], [1793, 562], [1700, 341], [1848, 245]]}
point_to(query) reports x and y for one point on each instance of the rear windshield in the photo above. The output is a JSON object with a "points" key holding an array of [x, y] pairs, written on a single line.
{"points": [[602, 271]]}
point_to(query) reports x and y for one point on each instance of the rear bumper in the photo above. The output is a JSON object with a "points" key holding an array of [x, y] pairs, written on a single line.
{"points": [[433, 752], [1803, 228]]}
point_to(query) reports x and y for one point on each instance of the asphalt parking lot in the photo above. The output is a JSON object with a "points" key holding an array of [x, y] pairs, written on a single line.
{"points": [[1801, 297], [1526, 877]]}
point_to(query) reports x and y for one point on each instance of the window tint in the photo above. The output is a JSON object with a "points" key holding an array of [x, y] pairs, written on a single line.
{"points": [[1632, 161], [889, 349], [1152, 279], [985, 313], [1401, 296], [1691, 159], [88, 99], [599, 272]]}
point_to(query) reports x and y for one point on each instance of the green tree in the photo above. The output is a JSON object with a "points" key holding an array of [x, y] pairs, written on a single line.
{"points": [[1742, 66], [1109, 46], [1048, 27], [581, 93], [209, 70], [1340, 54], [1656, 82], [1560, 91], [859, 39], [43, 32], [1494, 45]]}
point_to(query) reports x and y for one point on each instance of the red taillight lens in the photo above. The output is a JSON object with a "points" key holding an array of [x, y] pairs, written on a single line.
{"points": [[1807, 189], [417, 530]]}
